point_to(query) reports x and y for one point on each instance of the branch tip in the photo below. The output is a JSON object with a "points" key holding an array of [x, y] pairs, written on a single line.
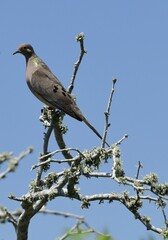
{"points": [[114, 81], [80, 37]]}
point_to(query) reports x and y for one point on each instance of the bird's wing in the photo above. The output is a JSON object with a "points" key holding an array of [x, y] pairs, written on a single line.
{"points": [[47, 88]]}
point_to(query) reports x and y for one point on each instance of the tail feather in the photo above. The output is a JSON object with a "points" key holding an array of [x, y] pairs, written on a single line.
{"points": [[93, 129]]}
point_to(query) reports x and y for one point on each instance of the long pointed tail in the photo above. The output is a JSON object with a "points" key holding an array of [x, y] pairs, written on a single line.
{"points": [[93, 129]]}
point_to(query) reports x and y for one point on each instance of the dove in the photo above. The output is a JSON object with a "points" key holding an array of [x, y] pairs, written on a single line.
{"points": [[47, 88]]}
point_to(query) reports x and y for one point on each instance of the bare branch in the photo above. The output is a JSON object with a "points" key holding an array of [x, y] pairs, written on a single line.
{"points": [[107, 113], [14, 161], [79, 38]]}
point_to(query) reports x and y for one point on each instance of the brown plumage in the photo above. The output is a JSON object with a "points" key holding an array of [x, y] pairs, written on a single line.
{"points": [[47, 88]]}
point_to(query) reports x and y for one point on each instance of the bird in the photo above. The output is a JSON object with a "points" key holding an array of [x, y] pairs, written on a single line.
{"points": [[47, 88]]}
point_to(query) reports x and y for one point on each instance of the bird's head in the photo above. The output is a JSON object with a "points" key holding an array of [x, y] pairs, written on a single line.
{"points": [[25, 49]]}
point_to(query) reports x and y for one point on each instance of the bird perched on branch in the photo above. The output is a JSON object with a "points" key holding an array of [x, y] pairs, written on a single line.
{"points": [[47, 88]]}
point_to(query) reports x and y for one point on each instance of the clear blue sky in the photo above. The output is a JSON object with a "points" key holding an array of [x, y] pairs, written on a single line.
{"points": [[124, 39]]}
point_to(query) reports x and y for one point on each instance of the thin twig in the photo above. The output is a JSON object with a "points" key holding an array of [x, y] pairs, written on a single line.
{"points": [[138, 170], [94, 230], [60, 150], [11, 219], [98, 174], [12, 197], [54, 161], [14, 161], [70, 230], [79, 38], [45, 150], [67, 215], [149, 198], [107, 113], [164, 216], [121, 140]]}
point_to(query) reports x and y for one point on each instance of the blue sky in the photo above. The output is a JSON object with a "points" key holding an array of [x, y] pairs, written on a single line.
{"points": [[124, 39]]}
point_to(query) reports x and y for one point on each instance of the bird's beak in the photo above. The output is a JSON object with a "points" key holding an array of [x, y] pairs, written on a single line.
{"points": [[16, 52]]}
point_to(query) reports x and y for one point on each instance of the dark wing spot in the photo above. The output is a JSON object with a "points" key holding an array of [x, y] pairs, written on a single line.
{"points": [[55, 88], [63, 89], [64, 93]]}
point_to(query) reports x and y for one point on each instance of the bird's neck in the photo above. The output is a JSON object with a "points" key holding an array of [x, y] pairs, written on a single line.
{"points": [[35, 63], [34, 59]]}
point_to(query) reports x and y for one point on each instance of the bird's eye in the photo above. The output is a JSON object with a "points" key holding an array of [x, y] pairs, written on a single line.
{"points": [[25, 48]]}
